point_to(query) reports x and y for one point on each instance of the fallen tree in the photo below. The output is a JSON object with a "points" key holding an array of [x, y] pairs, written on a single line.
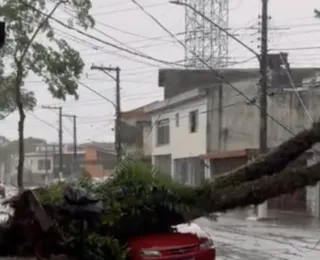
{"points": [[258, 191], [139, 201], [274, 161]]}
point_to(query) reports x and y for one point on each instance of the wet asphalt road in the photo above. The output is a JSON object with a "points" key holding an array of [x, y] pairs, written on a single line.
{"points": [[247, 240]]}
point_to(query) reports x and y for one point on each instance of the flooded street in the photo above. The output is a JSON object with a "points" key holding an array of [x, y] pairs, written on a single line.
{"points": [[249, 240]]}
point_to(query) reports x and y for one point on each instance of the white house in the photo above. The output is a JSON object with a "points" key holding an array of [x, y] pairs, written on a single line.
{"points": [[202, 130], [179, 135]]}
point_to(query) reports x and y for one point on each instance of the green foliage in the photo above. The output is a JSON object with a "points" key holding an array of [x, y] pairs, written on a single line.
{"points": [[100, 248], [52, 195], [138, 200], [49, 57]]}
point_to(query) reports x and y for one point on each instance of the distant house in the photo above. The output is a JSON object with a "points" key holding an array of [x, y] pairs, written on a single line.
{"points": [[3, 141], [39, 165], [44, 163], [94, 159], [9, 156], [99, 161]]}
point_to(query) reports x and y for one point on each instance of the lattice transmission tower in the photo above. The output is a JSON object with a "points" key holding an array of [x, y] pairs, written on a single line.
{"points": [[204, 39]]}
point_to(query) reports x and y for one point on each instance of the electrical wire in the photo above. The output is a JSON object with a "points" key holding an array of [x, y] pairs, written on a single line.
{"points": [[296, 48], [295, 90], [110, 37], [129, 9], [221, 77], [43, 121], [81, 41], [92, 37]]}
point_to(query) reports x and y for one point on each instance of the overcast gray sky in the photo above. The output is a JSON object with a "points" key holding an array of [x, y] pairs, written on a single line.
{"points": [[295, 27]]}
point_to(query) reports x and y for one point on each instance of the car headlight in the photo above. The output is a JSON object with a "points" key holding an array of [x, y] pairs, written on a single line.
{"points": [[207, 244], [150, 253]]}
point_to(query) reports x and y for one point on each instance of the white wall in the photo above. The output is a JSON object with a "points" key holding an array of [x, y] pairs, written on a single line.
{"points": [[182, 144], [147, 140], [31, 163]]}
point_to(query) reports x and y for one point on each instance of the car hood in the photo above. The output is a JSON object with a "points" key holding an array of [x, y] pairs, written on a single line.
{"points": [[169, 240], [188, 234]]}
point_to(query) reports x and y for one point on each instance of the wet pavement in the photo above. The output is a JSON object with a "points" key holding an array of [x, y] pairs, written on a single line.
{"points": [[241, 239]]}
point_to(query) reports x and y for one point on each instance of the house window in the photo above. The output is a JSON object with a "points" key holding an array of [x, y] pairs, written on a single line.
{"points": [[193, 121], [163, 132], [177, 120], [44, 165]]}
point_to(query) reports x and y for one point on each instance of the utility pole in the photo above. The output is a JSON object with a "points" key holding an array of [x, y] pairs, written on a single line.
{"points": [[60, 137], [2, 33], [46, 158], [46, 163], [117, 105], [75, 145], [263, 141]]}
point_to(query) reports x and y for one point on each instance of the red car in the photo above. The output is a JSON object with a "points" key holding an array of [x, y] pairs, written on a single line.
{"points": [[186, 242]]}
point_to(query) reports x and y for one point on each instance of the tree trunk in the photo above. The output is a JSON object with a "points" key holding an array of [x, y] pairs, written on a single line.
{"points": [[20, 127], [258, 191], [273, 162]]}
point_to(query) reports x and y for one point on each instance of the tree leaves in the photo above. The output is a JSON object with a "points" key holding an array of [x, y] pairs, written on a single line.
{"points": [[82, 16], [59, 69], [50, 58], [59, 65]]}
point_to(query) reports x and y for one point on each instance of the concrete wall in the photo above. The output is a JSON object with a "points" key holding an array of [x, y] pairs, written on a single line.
{"points": [[147, 140], [136, 136], [313, 193], [182, 143], [240, 123]]}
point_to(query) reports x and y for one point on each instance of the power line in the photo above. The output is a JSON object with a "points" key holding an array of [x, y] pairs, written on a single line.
{"points": [[297, 48], [129, 9], [98, 39], [98, 48], [45, 122], [221, 77]]}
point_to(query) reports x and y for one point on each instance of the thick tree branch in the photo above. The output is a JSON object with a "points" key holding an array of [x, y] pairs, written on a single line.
{"points": [[274, 161], [258, 191]]}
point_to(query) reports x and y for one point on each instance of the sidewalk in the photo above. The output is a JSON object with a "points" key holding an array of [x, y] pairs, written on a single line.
{"points": [[240, 239]]}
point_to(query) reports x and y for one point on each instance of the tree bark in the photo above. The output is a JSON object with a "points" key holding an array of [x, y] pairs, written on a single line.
{"points": [[22, 117], [18, 83], [273, 162], [258, 191]]}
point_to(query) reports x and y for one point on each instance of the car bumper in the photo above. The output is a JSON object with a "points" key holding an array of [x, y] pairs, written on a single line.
{"points": [[209, 254]]}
